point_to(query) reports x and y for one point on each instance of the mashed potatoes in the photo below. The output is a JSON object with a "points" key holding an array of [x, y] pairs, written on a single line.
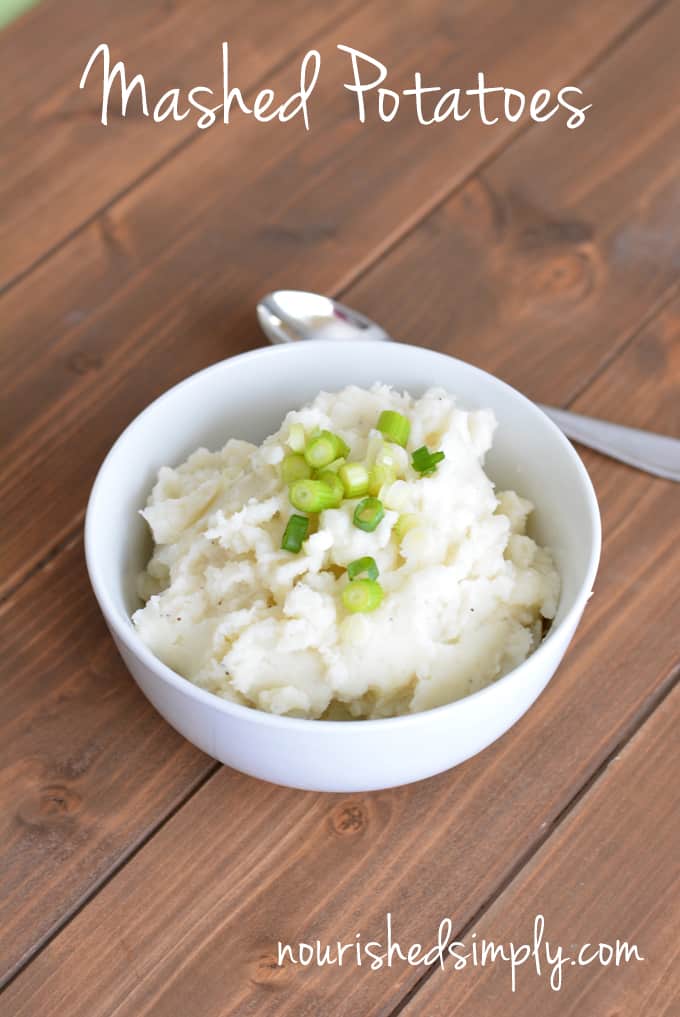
{"points": [[465, 590]]}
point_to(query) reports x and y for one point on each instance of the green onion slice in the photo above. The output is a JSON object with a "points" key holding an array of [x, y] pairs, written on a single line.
{"points": [[368, 514], [295, 532], [387, 456], [394, 426], [367, 565], [332, 481], [296, 438], [324, 448], [311, 495], [295, 467], [362, 595], [378, 477], [424, 461], [354, 477], [405, 523]]}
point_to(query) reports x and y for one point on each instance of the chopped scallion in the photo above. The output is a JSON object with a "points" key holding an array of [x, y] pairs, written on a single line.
{"points": [[405, 523], [354, 477], [378, 477], [424, 461], [362, 595], [368, 514], [295, 467], [296, 438], [367, 565], [311, 495], [394, 426], [387, 456], [295, 532], [335, 465], [332, 481], [324, 448]]}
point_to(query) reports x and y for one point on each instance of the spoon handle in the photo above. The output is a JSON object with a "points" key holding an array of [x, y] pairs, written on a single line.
{"points": [[655, 453]]}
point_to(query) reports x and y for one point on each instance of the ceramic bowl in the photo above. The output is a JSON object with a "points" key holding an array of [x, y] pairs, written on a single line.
{"points": [[247, 396]]}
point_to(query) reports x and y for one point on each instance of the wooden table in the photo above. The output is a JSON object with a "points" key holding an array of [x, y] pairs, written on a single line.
{"points": [[139, 877]]}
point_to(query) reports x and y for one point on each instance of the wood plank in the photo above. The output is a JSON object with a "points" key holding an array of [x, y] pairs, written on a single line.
{"points": [[158, 287], [297, 867], [612, 872], [61, 165], [86, 768]]}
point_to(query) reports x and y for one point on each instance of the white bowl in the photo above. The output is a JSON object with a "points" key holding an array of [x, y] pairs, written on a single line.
{"points": [[247, 397]]}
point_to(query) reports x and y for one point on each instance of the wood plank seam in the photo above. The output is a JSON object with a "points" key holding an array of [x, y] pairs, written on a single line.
{"points": [[396, 238], [645, 321], [61, 544], [598, 774], [180, 147]]}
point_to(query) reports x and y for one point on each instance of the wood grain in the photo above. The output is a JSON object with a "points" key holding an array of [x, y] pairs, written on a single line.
{"points": [[61, 164], [86, 767], [541, 268], [243, 864], [164, 282], [611, 872], [560, 247]]}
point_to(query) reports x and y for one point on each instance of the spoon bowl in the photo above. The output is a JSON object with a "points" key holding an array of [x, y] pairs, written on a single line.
{"points": [[287, 316]]}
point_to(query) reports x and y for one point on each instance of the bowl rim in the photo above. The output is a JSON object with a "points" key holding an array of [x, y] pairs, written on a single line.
{"points": [[125, 632]]}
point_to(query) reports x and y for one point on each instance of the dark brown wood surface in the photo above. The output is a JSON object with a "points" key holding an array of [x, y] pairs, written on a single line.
{"points": [[136, 876]]}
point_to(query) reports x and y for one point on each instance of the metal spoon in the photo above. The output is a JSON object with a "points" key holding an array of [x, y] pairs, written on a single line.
{"points": [[291, 315]]}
